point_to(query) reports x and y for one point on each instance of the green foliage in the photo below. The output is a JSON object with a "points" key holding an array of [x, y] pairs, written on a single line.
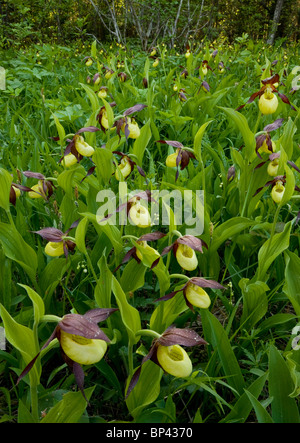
{"points": [[250, 244]]}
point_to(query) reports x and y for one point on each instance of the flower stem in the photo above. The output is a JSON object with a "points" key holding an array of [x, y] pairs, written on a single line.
{"points": [[148, 332]]}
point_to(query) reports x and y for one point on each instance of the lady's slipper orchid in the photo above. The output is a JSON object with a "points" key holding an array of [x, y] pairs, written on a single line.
{"points": [[181, 157], [125, 168], [128, 124], [186, 257], [174, 360], [82, 146], [167, 352], [153, 52], [15, 192], [108, 73], [143, 249], [88, 61], [136, 212], [204, 68], [122, 76], [54, 249], [43, 189], [102, 93], [139, 215], [184, 250], [58, 241], [273, 166], [194, 293], [78, 146], [278, 191], [81, 340], [96, 79], [131, 127], [70, 160], [155, 63], [268, 101]]}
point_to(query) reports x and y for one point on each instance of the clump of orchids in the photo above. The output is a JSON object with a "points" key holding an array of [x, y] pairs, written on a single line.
{"points": [[81, 341], [167, 352], [268, 101]]}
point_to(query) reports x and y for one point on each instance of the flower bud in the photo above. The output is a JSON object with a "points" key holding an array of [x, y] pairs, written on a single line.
{"points": [[82, 350], [174, 360], [186, 257], [197, 296]]}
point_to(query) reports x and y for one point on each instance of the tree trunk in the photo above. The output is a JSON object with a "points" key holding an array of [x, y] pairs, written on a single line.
{"points": [[275, 23]]}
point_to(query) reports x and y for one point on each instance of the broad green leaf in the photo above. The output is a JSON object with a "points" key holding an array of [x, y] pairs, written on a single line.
{"points": [[69, 409], [271, 249], [292, 279], [15, 248], [146, 390], [37, 301], [261, 413], [5, 185], [141, 142], [68, 179], [255, 302], [148, 257], [109, 112], [216, 336], [102, 158], [133, 276], [23, 339], [284, 408], [167, 311], [60, 130], [229, 229], [286, 140], [80, 235], [198, 140], [94, 49], [242, 407], [92, 96], [103, 288], [248, 136], [130, 316]]}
